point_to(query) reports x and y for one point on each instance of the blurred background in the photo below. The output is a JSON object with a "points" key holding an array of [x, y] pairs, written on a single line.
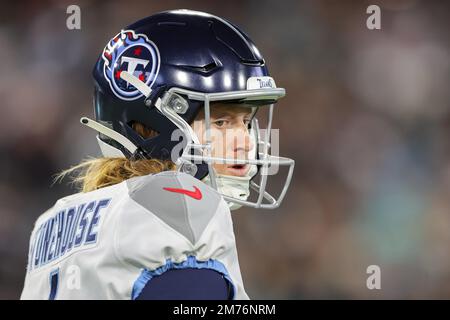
{"points": [[366, 118]]}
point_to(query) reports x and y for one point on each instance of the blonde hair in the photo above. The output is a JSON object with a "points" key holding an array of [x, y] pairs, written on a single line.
{"points": [[95, 173]]}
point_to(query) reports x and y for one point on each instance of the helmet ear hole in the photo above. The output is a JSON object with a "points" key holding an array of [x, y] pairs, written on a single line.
{"points": [[143, 130]]}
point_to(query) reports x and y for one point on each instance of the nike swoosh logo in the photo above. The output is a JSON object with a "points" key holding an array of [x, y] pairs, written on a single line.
{"points": [[196, 194]]}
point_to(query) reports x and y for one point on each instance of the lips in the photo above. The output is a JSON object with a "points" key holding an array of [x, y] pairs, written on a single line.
{"points": [[238, 170]]}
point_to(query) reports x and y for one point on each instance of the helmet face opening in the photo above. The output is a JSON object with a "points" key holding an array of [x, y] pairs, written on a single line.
{"points": [[161, 72], [259, 157]]}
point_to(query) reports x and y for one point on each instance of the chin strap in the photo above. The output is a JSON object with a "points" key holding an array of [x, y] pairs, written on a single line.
{"points": [[233, 186]]}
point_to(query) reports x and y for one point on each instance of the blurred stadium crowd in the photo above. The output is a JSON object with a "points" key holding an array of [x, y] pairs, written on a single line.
{"points": [[366, 118]]}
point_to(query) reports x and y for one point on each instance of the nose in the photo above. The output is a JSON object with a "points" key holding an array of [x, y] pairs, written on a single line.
{"points": [[242, 141]]}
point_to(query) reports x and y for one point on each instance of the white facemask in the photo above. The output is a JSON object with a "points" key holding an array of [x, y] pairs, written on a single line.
{"points": [[233, 186]]}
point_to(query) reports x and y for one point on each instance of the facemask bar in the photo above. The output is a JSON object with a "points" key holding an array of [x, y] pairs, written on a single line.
{"points": [[265, 160]]}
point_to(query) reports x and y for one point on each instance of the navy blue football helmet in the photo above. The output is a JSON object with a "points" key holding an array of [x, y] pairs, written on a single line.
{"points": [[161, 71]]}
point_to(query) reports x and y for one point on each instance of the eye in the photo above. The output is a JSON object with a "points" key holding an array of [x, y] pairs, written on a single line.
{"points": [[220, 123]]}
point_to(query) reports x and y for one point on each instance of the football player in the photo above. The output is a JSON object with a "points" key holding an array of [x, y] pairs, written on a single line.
{"points": [[176, 100]]}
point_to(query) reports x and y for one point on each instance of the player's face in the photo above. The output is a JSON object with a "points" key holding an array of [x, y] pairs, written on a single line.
{"points": [[229, 135]]}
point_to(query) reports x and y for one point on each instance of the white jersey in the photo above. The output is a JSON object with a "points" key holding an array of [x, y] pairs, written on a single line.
{"points": [[108, 243]]}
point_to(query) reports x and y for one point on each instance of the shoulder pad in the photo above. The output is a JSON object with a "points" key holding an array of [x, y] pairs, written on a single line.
{"points": [[180, 200]]}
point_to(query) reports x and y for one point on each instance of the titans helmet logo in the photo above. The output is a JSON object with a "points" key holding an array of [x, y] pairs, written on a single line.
{"points": [[135, 54]]}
